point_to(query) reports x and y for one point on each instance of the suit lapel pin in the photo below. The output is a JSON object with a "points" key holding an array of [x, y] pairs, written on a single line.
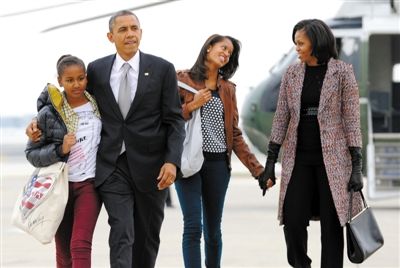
{"points": [[146, 74]]}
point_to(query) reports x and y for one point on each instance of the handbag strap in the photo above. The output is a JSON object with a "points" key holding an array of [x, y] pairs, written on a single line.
{"points": [[187, 87], [351, 203]]}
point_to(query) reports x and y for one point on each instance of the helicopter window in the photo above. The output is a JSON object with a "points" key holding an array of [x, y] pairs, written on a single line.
{"points": [[349, 51], [396, 98], [285, 61], [349, 46], [396, 73], [269, 98], [271, 85]]}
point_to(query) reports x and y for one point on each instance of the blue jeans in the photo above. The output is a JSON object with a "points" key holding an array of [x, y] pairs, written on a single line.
{"points": [[203, 193]]}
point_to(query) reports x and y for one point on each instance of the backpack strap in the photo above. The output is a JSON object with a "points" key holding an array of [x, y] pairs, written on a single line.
{"points": [[187, 87]]}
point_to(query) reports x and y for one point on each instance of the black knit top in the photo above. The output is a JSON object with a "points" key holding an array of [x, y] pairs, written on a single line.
{"points": [[309, 141]]}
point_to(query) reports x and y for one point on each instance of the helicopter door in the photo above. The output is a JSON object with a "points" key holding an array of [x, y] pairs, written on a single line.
{"points": [[384, 92]]}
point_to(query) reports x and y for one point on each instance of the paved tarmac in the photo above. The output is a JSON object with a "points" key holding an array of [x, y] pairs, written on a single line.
{"points": [[251, 234]]}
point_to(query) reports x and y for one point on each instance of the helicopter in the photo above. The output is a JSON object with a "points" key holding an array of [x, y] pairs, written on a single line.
{"points": [[367, 35]]}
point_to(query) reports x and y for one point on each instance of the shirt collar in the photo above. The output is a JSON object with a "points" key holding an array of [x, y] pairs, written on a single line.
{"points": [[133, 62]]}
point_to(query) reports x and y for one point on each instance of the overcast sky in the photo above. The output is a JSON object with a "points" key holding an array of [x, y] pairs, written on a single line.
{"points": [[174, 31]]}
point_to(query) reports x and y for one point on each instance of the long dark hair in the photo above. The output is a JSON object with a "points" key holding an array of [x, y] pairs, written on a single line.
{"points": [[321, 37], [198, 72]]}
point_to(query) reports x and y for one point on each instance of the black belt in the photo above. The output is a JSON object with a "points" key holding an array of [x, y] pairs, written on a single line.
{"points": [[215, 156], [310, 111]]}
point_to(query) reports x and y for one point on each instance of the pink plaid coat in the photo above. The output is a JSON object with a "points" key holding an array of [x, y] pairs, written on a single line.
{"points": [[339, 121]]}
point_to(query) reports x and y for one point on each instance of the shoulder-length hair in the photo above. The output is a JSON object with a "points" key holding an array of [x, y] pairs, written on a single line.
{"points": [[198, 72], [321, 37]]}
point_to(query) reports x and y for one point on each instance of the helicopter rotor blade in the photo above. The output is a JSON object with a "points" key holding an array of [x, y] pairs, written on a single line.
{"points": [[105, 15], [38, 9]]}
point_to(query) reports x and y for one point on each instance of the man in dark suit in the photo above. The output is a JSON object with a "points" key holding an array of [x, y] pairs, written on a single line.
{"points": [[141, 143], [139, 154]]}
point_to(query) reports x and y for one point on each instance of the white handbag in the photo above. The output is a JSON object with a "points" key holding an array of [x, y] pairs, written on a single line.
{"points": [[192, 155], [41, 204]]}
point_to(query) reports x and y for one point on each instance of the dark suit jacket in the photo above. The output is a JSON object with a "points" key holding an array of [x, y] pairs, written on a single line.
{"points": [[153, 129]]}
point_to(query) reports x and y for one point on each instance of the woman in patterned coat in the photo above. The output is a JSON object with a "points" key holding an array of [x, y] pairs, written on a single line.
{"points": [[317, 122], [202, 195]]}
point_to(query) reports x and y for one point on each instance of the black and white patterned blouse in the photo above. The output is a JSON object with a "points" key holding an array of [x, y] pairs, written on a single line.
{"points": [[212, 125]]}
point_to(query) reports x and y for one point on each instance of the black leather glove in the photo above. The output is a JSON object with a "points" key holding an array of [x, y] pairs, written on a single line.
{"points": [[269, 171], [356, 177]]}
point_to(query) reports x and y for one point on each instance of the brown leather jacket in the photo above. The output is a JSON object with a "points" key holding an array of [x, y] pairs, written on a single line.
{"points": [[234, 138]]}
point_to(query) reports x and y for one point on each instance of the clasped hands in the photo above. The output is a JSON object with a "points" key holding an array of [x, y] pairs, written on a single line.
{"points": [[267, 179]]}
